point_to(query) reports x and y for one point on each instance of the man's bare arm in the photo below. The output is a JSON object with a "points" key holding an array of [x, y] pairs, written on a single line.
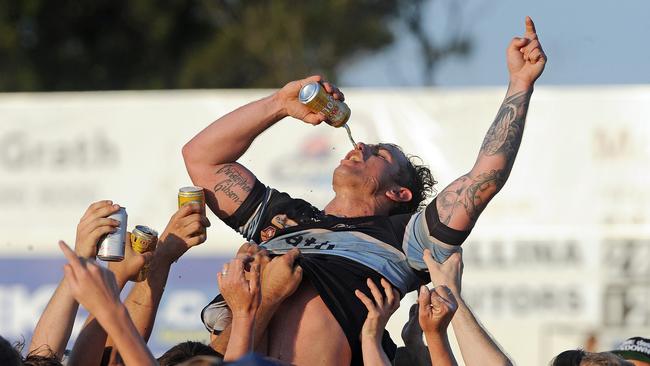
{"points": [[210, 157], [460, 204], [476, 344], [55, 325], [186, 229], [96, 289]]}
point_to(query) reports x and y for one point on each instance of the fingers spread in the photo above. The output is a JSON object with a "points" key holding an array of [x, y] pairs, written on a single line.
{"points": [[379, 299], [388, 290], [365, 300]]}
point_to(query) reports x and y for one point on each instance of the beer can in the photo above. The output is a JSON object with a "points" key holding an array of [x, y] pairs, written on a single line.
{"points": [[111, 247], [143, 239], [314, 96], [190, 194]]}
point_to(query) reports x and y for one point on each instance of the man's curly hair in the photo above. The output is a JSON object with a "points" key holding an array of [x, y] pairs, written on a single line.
{"points": [[418, 179]]}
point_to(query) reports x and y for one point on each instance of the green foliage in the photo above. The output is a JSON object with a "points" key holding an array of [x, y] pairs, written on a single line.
{"points": [[146, 44]]}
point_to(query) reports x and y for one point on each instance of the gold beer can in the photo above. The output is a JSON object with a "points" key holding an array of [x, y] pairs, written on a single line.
{"points": [[314, 96], [191, 194], [143, 239]]}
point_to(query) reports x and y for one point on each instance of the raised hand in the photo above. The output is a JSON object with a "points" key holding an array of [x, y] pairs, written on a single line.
{"points": [[241, 295], [93, 286], [288, 97], [130, 266], [280, 277], [379, 310], [449, 273], [93, 225], [525, 57], [436, 308], [186, 229]]}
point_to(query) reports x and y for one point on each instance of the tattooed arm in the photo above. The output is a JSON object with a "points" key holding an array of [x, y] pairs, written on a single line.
{"points": [[460, 203], [210, 157]]}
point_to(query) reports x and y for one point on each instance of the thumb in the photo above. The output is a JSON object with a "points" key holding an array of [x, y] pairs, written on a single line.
{"points": [[431, 263], [148, 256], [423, 298], [518, 42]]}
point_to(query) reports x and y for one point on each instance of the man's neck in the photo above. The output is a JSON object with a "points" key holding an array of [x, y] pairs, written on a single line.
{"points": [[343, 205]]}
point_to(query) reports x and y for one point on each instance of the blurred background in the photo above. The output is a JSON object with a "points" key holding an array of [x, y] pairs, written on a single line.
{"points": [[97, 99]]}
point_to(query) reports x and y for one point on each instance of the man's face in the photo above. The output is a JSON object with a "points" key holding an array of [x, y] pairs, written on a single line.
{"points": [[370, 169]]}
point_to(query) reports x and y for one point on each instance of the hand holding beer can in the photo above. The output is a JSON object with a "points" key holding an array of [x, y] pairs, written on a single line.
{"points": [[111, 247], [191, 194], [314, 96], [143, 239]]}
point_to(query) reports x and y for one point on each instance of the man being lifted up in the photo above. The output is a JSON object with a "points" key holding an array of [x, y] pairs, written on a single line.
{"points": [[372, 228]]}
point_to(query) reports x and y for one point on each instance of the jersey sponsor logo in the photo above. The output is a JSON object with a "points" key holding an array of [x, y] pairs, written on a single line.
{"points": [[281, 221], [267, 234]]}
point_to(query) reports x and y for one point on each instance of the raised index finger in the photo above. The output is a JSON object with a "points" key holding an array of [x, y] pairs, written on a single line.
{"points": [[70, 255], [530, 26]]}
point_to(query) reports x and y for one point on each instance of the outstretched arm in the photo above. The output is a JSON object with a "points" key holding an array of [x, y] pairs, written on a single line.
{"points": [[55, 325], [243, 298], [210, 157], [95, 288], [435, 309], [379, 311], [89, 346], [476, 344], [460, 204]]}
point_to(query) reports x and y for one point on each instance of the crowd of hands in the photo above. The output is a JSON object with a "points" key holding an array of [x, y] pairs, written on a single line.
{"points": [[253, 282]]}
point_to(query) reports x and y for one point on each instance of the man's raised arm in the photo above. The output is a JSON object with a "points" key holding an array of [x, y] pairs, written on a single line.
{"points": [[210, 157], [460, 203]]}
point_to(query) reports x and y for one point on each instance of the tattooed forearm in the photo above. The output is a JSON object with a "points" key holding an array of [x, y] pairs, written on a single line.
{"points": [[504, 135], [469, 194], [233, 183], [461, 203]]}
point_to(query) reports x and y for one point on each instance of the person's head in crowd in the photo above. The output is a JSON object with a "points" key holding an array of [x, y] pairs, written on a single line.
{"points": [[203, 361], [41, 356], [40, 360], [582, 358], [386, 174], [635, 350], [185, 351], [8, 354]]}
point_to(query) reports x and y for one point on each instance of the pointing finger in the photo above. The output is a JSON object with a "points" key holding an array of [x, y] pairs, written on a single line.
{"points": [[72, 258], [530, 26]]}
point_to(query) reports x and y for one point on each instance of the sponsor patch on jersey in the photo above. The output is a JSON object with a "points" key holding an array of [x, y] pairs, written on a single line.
{"points": [[281, 221], [267, 233]]}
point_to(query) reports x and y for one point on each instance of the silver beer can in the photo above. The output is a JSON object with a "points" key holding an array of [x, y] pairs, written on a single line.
{"points": [[111, 247]]}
